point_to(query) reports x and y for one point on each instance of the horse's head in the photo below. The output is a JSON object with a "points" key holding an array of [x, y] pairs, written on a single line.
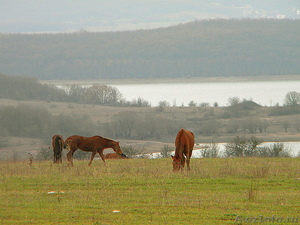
{"points": [[176, 164], [117, 148], [124, 156], [66, 144]]}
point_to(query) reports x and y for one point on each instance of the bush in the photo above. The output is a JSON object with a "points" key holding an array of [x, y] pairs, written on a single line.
{"points": [[211, 151], [248, 147], [274, 150], [130, 151], [45, 154], [242, 147], [166, 151]]}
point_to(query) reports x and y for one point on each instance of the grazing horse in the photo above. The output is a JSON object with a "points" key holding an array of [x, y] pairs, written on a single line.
{"points": [[184, 144], [57, 145], [95, 144], [115, 156]]}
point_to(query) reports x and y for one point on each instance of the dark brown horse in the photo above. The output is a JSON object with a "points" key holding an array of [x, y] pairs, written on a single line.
{"points": [[57, 145], [115, 156], [184, 144], [94, 144]]}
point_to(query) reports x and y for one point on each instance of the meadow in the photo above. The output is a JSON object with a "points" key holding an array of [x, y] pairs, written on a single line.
{"points": [[145, 191]]}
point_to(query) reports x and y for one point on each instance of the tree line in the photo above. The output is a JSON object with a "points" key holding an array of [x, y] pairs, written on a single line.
{"points": [[235, 47], [27, 88]]}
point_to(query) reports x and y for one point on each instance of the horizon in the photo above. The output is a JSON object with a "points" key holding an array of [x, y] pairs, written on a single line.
{"points": [[97, 16]]}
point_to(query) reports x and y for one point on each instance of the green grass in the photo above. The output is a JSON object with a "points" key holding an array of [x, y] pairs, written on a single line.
{"points": [[145, 191]]}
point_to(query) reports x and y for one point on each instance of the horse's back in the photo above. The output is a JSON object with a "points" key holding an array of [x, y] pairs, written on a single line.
{"points": [[185, 137], [191, 139]]}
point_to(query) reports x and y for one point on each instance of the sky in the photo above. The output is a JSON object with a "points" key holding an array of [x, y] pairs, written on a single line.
{"points": [[29, 16]]}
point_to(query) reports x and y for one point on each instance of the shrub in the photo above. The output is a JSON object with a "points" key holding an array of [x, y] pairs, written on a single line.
{"points": [[130, 151], [166, 151], [45, 154], [274, 150], [242, 147], [211, 151]]}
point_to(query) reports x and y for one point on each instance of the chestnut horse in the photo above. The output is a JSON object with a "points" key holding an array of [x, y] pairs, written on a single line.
{"points": [[115, 156], [184, 145], [94, 144], [57, 145]]}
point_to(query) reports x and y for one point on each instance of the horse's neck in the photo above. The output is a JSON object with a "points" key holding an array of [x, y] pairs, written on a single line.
{"points": [[110, 144], [179, 151]]}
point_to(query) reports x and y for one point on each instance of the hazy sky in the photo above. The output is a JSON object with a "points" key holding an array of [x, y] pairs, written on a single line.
{"points": [[113, 15]]}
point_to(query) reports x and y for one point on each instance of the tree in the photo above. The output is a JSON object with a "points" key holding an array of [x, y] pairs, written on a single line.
{"points": [[292, 99], [125, 121], [76, 92], [102, 94], [233, 101], [286, 124]]}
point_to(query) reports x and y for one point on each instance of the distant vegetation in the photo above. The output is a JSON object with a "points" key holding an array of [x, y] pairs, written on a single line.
{"points": [[127, 122], [27, 121], [197, 49], [26, 88]]}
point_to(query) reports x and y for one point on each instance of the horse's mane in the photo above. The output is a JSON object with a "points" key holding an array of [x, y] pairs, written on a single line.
{"points": [[178, 150], [105, 138]]}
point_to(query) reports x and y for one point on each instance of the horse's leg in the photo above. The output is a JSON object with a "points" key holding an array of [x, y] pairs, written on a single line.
{"points": [[182, 162], [70, 157], [188, 163], [92, 157], [102, 156], [60, 157], [188, 157]]}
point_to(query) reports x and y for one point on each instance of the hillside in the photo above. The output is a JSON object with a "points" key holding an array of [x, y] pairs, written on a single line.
{"points": [[196, 49], [117, 15]]}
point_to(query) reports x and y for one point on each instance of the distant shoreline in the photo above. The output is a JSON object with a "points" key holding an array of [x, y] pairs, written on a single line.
{"points": [[176, 80]]}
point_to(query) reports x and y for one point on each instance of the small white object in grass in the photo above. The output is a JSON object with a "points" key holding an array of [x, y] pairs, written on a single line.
{"points": [[116, 211], [52, 192]]}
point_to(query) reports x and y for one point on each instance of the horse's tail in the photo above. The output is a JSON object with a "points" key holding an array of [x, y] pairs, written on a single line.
{"points": [[57, 142]]}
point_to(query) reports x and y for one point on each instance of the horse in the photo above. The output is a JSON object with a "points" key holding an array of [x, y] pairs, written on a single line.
{"points": [[57, 145], [95, 144], [184, 144], [115, 156]]}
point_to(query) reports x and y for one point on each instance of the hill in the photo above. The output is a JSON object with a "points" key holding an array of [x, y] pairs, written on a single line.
{"points": [[197, 49]]}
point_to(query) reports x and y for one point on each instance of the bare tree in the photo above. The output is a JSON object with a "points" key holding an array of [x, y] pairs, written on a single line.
{"points": [[102, 94], [286, 125], [233, 101], [125, 121], [292, 99]]}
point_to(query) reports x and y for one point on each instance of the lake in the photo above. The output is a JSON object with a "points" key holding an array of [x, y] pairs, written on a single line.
{"points": [[265, 93]]}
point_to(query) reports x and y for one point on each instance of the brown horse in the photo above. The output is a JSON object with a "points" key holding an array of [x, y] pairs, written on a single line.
{"points": [[184, 144], [115, 156], [57, 145], [94, 144]]}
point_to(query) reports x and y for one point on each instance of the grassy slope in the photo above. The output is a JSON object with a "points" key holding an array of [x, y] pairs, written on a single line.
{"points": [[145, 191]]}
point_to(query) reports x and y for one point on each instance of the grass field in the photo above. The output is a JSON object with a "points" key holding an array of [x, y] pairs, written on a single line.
{"points": [[143, 191]]}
